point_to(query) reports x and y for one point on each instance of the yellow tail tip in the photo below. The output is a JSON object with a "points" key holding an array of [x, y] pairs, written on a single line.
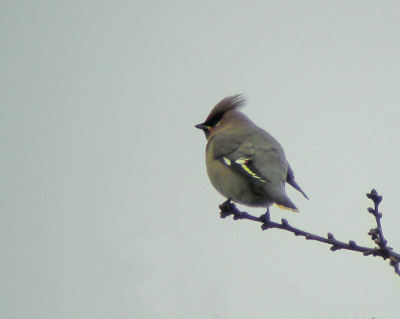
{"points": [[288, 208]]}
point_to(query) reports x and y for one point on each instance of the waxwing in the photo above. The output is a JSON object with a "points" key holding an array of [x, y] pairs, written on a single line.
{"points": [[245, 164]]}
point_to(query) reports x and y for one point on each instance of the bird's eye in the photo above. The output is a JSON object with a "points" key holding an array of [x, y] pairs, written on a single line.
{"points": [[215, 120], [214, 123]]}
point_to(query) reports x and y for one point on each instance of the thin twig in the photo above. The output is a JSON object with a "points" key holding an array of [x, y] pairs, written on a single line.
{"points": [[228, 208], [380, 240]]}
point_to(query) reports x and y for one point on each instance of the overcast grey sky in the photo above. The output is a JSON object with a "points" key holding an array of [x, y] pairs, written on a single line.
{"points": [[107, 210]]}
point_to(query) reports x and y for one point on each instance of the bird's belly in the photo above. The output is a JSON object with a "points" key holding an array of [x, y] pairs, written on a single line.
{"points": [[237, 187]]}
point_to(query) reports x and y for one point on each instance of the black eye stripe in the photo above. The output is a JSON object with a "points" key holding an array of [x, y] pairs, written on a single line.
{"points": [[215, 120]]}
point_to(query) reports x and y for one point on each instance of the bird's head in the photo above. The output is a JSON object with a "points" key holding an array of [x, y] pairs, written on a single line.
{"points": [[220, 113]]}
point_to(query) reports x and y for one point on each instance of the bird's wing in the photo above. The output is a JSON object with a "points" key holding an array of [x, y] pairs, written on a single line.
{"points": [[291, 181], [237, 152]]}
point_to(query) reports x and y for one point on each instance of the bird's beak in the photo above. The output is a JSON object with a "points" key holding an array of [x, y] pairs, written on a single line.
{"points": [[202, 127]]}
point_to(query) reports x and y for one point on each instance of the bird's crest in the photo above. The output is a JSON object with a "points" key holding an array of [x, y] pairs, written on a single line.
{"points": [[229, 103]]}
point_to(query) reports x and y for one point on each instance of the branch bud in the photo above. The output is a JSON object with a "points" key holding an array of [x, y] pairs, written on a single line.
{"points": [[352, 243]]}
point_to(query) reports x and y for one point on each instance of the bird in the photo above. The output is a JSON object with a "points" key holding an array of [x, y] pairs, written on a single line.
{"points": [[245, 164]]}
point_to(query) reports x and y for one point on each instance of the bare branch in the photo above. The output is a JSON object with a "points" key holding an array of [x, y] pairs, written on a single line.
{"points": [[382, 250]]}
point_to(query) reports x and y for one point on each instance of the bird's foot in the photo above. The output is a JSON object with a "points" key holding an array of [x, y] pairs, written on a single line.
{"points": [[227, 208], [265, 218]]}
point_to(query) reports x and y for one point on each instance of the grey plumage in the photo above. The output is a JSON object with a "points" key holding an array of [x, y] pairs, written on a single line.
{"points": [[244, 162]]}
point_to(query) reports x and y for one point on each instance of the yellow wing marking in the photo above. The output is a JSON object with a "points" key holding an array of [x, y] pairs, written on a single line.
{"points": [[248, 170], [227, 161], [242, 161]]}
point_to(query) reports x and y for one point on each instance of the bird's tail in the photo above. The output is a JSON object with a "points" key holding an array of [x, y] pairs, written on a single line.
{"points": [[294, 210], [290, 180], [282, 200]]}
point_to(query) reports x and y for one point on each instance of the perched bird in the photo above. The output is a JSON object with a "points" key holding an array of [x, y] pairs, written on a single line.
{"points": [[245, 164]]}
